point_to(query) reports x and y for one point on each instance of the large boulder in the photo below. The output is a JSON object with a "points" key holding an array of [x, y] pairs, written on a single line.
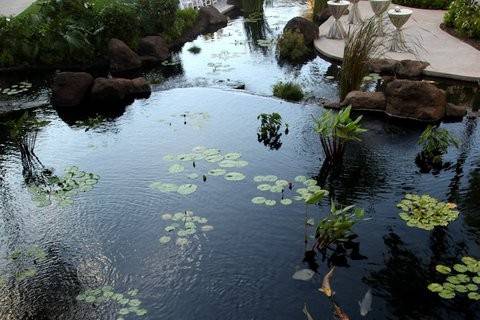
{"points": [[408, 69], [359, 100], [70, 88], [454, 111], [117, 90], [382, 66], [155, 47], [209, 19], [306, 27], [417, 100], [122, 58]]}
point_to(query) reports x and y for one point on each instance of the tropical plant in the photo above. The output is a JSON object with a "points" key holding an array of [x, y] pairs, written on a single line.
{"points": [[157, 16], [435, 143], [465, 279], [252, 9], [464, 16], [291, 47], [184, 20], [288, 91], [269, 130], [361, 45], [337, 225], [426, 212], [336, 130], [114, 17]]}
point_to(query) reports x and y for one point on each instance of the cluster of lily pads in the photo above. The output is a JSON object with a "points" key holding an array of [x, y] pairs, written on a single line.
{"points": [[272, 184], [195, 119], [210, 155], [62, 189], [16, 88], [184, 224], [31, 254], [127, 302], [425, 212], [463, 279]]}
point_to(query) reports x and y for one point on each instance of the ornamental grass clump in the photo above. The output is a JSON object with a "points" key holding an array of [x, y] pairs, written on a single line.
{"points": [[463, 279], [335, 130], [288, 91], [426, 212]]}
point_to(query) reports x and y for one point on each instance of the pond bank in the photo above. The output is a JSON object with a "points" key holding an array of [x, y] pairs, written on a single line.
{"points": [[437, 47]]}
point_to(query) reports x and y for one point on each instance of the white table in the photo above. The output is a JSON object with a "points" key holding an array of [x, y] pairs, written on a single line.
{"points": [[354, 16], [379, 8], [337, 8], [399, 17]]}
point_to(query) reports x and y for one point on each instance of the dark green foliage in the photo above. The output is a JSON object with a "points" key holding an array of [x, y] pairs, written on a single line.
{"points": [[291, 46], [435, 142], [464, 16], [252, 8], [194, 49], [157, 15], [426, 4], [184, 20], [319, 5], [288, 91], [269, 130], [120, 20]]}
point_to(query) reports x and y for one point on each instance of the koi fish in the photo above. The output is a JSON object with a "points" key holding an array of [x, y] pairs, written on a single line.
{"points": [[306, 313], [339, 313], [366, 303], [326, 289]]}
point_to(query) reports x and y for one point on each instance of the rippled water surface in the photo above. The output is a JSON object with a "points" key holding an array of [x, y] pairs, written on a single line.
{"points": [[242, 269]]}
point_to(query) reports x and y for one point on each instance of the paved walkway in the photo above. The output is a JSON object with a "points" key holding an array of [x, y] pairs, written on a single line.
{"points": [[448, 56], [14, 7]]}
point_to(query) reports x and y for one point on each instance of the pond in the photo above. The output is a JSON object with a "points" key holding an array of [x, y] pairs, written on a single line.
{"points": [[156, 215]]}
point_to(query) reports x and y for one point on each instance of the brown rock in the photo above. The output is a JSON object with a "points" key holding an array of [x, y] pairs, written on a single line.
{"points": [[117, 90], [455, 112], [417, 100], [408, 69], [382, 66], [359, 100], [154, 46], [122, 58], [307, 28], [70, 88], [210, 18]]}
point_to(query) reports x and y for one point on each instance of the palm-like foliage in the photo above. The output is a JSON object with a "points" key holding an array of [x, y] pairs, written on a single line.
{"points": [[336, 130], [435, 142]]}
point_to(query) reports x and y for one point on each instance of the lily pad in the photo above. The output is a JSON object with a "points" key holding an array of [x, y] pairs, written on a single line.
{"points": [[176, 168], [460, 268], [310, 182], [270, 178], [270, 203], [182, 242], [258, 200], [443, 269], [282, 183], [435, 287], [214, 158], [300, 178], [187, 189], [233, 156], [259, 178], [234, 176], [192, 176], [169, 157], [286, 201], [165, 239], [264, 187], [217, 172], [206, 228], [446, 294], [303, 274]]}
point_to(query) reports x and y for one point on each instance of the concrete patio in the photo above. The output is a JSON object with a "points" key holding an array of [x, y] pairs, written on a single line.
{"points": [[448, 56]]}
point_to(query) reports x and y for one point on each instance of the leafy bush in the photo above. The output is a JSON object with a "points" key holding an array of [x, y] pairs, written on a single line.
{"points": [[425, 4], [288, 91], [184, 20], [425, 212], [115, 17], [435, 142], [336, 130], [157, 15], [291, 46], [464, 16], [15, 40]]}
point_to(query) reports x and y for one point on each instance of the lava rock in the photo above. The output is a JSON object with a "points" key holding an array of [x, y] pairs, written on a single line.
{"points": [[117, 90], [455, 112], [410, 69], [417, 100], [382, 66], [359, 100], [209, 18], [155, 47], [122, 58], [70, 88], [307, 28]]}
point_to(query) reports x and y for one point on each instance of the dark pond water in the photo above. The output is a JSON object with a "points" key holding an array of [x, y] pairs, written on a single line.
{"points": [[50, 252], [242, 269]]}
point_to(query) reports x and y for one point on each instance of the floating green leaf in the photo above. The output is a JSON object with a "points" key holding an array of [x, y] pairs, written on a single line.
{"points": [[286, 201], [443, 269], [217, 172], [165, 239], [169, 157], [446, 294], [258, 200], [264, 187], [214, 158], [234, 176], [232, 156], [300, 179], [435, 287], [192, 176], [206, 228], [176, 168], [270, 202], [460, 268], [187, 189]]}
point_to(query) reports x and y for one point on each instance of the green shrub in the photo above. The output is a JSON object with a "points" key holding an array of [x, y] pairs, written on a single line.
{"points": [[436, 141], [464, 16], [15, 40], [115, 17], [184, 20], [425, 4], [291, 46], [157, 15], [288, 91]]}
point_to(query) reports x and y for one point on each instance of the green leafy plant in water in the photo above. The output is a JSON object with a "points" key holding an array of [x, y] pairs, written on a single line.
{"points": [[27, 260], [126, 303], [337, 225], [425, 212], [289, 91], [461, 278], [435, 143], [291, 47], [335, 130], [194, 49], [185, 224], [269, 130]]}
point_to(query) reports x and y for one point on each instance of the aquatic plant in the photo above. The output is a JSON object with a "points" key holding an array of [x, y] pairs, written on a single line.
{"points": [[291, 47], [184, 224], [194, 49], [361, 45], [16, 89], [337, 226], [336, 130], [425, 212], [289, 91], [462, 278], [435, 142], [126, 303], [269, 130], [27, 260]]}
